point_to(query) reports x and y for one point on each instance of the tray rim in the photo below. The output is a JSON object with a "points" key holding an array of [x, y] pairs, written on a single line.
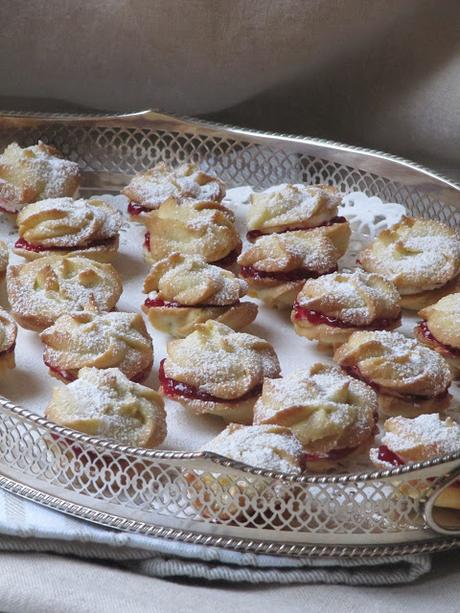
{"points": [[150, 117]]}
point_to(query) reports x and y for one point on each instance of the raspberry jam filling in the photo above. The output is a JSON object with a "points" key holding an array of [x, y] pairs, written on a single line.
{"points": [[426, 332], [253, 234], [147, 241], [21, 243], [386, 455], [250, 272], [69, 375], [134, 208], [173, 389], [354, 371], [158, 302], [317, 318]]}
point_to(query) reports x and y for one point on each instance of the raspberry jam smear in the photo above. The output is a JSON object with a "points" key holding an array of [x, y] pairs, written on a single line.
{"points": [[134, 208], [253, 234], [316, 318], [446, 349], [249, 272], [151, 303], [386, 455], [69, 375], [174, 389], [21, 243]]}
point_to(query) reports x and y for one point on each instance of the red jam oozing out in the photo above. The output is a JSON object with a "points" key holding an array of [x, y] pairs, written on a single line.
{"points": [[21, 243], [158, 302], [68, 375], [253, 234], [426, 332], [386, 455], [249, 272], [317, 318], [173, 389], [134, 208], [355, 372], [147, 241]]}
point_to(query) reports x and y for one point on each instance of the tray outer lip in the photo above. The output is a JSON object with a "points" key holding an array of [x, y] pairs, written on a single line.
{"points": [[152, 118], [398, 168]]}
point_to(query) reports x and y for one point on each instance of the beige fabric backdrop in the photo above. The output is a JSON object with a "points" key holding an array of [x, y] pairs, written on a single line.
{"points": [[381, 73]]}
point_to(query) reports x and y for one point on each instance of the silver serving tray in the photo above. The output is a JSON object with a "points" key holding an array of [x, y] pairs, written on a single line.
{"points": [[202, 497]]}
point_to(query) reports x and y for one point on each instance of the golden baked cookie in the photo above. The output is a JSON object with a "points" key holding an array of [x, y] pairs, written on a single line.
{"points": [[35, 173], [292, 207], [417, 440], [332, 414], [440, 329], [42, 290], [203, 228], [409, 378], [100, 340], [149, 189], [4, 258], [218, 371], [63, 226], [184, 290], [8, 333], [277, 266], [106, 404], [420, 256], [329, 309]]}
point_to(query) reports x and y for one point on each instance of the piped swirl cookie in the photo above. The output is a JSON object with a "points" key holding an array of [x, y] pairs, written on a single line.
{"points": [[106, 404], [35, 173], [42, 290], [409, 378], [148, 190], [329, 309], [288, 207], [416, 440], [8, 333], [440, 329], [332, 414], [203, 228], [218, 371], [420, 256], [104, 340], [65, 226], [277, 265], [183, 291]]}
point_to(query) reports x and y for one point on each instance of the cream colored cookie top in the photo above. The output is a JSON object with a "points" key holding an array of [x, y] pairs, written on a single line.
{"points": [[416, 254], [35, 173], [356, 298], [64, 222], [443, 319], [105, 403], [288, 206], [186, 182], [221, 362], [104, 340], [189, 280], [396, 362]]}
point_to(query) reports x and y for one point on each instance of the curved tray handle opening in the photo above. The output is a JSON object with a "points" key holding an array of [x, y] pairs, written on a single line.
{"points": [[442, 507]]}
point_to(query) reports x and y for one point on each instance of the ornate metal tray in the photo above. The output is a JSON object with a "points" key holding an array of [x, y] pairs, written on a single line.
{"points": [[201, 497]]}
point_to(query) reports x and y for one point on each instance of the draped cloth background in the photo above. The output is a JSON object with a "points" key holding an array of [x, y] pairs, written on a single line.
{"points": [[378, 73]]}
